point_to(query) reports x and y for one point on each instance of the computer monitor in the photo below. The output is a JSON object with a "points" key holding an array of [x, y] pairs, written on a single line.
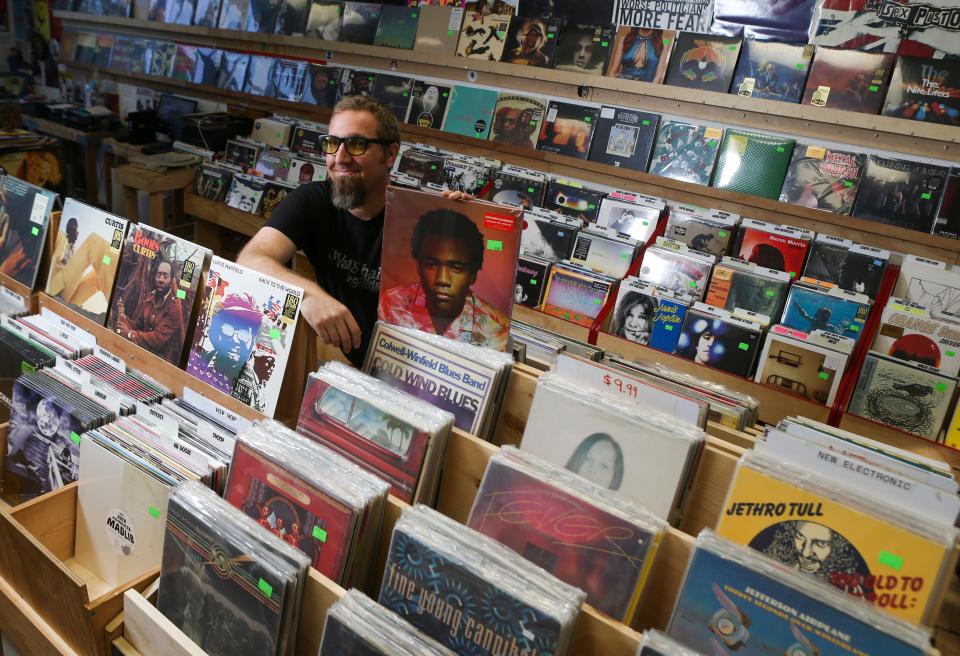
{"points": [[170, 113]]}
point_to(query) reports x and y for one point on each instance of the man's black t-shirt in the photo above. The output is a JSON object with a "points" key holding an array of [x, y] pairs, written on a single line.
{"points": [[344, 251]]}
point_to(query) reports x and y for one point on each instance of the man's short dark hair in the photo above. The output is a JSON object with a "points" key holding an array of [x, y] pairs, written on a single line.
{"points": [[387, 126], [447, 223]]}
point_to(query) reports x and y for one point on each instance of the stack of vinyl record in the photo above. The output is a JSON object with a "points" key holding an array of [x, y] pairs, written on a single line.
{"points": [[632, 214], [12, 304], [230, 586], [720, 339], [834, 261], [707, 231], [18, 354], [609, 443], [740, 285], [358, 625], [43, 439], [608, 556], [604, 250], [844, 521], [810, 365], [386, 431], [677, 267], [310, 497], [655, 643], [576, 293], [465, 380], [434, 562], [112, 370], [735, 600], [54, 333], [539, 345]]}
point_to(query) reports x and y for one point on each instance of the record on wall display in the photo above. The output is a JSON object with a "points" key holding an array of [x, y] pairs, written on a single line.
{"points": [[394, 92], [233, 14], [233, 71], [325, 20], [752, 163], [355, 83], [684, 151], [775, 71], [398, 27], [320, 86], [573, 199], [584, 48], [948, 216], [428, 104], [823, 178], [517, 119], [360, 20], [438, 29], [641, 54], [624, 137], [703, 61], [292, 19], [925, 90], [471, 112], [901, 192], [262, 16], [848, 79], [567, 129], [531, 41], [483, 36]]}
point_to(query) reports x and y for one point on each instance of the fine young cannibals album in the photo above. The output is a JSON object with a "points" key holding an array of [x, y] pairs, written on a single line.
{"points": [[483, 36], [823, 178], [925, 90], [575, 294], [25, 210], [156, 287], [624, 137], [713, 337], [641, 54], [85, 257], [772, 246], [573, 199], [686, 152], [471, 112], [913, 398], [734, 601], [835, 311], [703, 61], [531, 41], [848, 79], [836, 262], [449, 267], [584, 48], [908, 332], [753, 163], [649, 315], [517, 119], [836, 535], [668, 264], [244, 333], [901, 192], [771, 70], [805, 364], [567, 129], [428, 104]]}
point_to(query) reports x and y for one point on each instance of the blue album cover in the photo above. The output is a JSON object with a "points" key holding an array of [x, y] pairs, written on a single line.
{"points": [[458, 608], [470, 112], [776, 71], [684, 151], [667, 321], [719, 343], [725, 607], [809, 309]]}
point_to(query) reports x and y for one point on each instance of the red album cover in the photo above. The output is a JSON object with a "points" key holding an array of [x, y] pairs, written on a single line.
{"points": [[603, 555], [773, 250], [850, 80], [292, 509], [373, 439], [448, 266]]}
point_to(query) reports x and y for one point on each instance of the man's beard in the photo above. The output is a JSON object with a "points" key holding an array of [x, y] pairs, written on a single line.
{"points": [[348, 191]]}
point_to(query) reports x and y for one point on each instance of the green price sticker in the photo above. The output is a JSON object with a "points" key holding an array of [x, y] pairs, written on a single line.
{"points": [[941, 387], [445, 94], [723, 234], [529, 190], [847, 184], [26, 367], [405, 94], [74, 437], [779, 148], [154, 512], [319, 534], [370, 79], [711, 142], [181, 294], [743, 346], [732, 48], [874, 88], [413, 14], [669, 327], [265, 588], [107, 260], [586, 119], [550, 35], [800, 67], [925, 196], [693, 284], [35, 231], [855, 328], [793, 274], [624, 256], [501, 34], [823, 375], [433, 167], [770, 293], [598, 301], [604, 44], [666, 42], [891, 560], [274, 333], [533, 123], [592, 206], [533, 281], [951, 354], [646, 122], [494, 245], [451, 32]]}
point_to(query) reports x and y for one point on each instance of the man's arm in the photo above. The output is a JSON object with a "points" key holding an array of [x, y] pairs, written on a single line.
{"points": [[267, 252]]}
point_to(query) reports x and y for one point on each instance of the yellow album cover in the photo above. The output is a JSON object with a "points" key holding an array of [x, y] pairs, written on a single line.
{"points": [[893, 568]]}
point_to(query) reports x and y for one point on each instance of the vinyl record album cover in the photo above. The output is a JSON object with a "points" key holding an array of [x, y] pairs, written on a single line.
{"points": [[930, 284], [424, 166], [438, 29], [573, 199], [178, 12], [637, 221], [471, 111], [233, 71], [25, 209], [394, 92], [848, 79], [823, 178], [753, 163], [360, 20], [287, 77], [262, 16], [925, 90], [753, 289], [567, 129], [719, 342], [320, 87], [603, 251], [258, 75], [677, 271], [241, 153], [483, 36], [703, 61], [449, 266], [355, 83], [325, 20], [641, 54], [575, 295], [184, 61], [649, 315], [907, 332], [699, 233], [517, 119], [274, 191], [948, 216], [233, 14], [245, 192], [428, 104], [207, 67], [85, 257], [763, 21], [775, 71], [790, 362], [901, 192], [398, 27], [584, 48], [686, 152], [908, 397], [466, 176], [551, 240], [206, 13], [810, 309], [772, 248], [213, 182], [851, 267], [156, 287], [512, 189], [292, 19], [624, 137], [531, 41], [531, 281], [243, 334]]}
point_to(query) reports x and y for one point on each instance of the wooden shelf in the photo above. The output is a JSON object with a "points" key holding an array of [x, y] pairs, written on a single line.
{"points": [[859, 230], [794, 119]]}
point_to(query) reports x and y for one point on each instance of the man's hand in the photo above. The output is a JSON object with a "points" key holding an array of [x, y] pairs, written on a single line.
{"points": [[456, 195], [332, 320]]}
